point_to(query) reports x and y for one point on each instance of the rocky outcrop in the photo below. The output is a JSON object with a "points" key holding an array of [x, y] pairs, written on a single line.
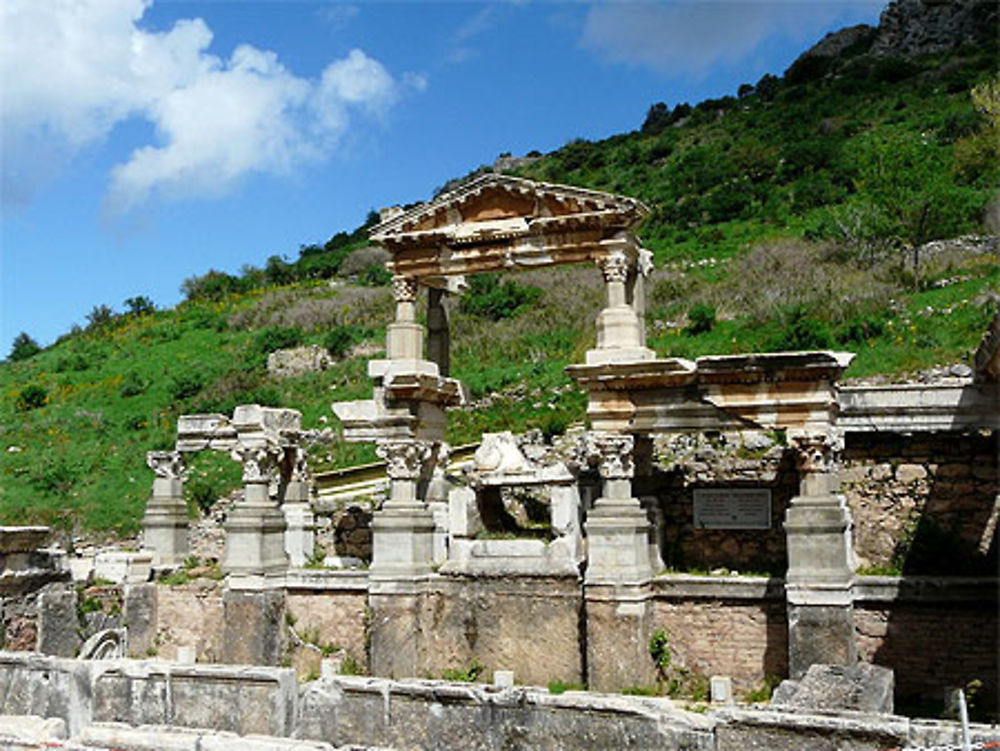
{"points": [[920, 27]]}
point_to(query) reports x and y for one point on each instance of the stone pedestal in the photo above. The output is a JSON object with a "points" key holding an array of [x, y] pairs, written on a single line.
{"points": [[818, 584], [618, 529], [165, 523], [255, 529], [300, 523], [403, 530]]}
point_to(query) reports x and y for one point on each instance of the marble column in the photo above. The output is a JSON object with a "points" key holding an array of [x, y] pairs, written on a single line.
{"points": [[165, 523], [403, 530], [255, 529], [405, 336], [818, 584], [617, 526], [300, 523]]}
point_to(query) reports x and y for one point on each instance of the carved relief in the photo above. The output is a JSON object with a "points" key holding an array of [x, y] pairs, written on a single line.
{"points": [[168, 465], [405, 458], [613, 453]]}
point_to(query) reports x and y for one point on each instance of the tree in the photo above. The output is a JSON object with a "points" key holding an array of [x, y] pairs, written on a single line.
{"points": [[100, 315], [23, 347], [139, 305], [906, 193]]}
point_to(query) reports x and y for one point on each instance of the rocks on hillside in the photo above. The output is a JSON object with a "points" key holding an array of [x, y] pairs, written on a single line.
{"points": [[921, 27], [913, 27], [285, 363]]}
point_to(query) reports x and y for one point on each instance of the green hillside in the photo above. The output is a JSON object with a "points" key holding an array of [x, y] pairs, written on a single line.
{"points": [[783, 217]]}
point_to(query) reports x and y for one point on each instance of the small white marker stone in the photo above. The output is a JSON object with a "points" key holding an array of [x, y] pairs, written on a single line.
{"points": [[503, 678]]}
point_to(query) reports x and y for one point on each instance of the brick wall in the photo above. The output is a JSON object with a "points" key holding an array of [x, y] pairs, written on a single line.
{"points": [[925, 504]]}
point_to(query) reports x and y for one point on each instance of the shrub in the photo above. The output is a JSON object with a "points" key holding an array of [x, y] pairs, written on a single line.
{"points": [[100, 315], [139, 305], [701, 319], [277, 337], [185, 385], [340, 339], [488, 297], [465, 675], [800, 331], [23, 347], [31, 397], [213, 285], [132, 385]]}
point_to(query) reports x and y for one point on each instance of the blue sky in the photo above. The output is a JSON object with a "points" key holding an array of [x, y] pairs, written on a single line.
{"points": [[146, 142]]}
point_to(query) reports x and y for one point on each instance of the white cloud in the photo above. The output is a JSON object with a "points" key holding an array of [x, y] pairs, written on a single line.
{"points": [[692, 36], [73, 69]]}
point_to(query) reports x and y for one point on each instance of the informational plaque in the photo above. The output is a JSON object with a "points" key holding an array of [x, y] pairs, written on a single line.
{"points": [[732, 508]]}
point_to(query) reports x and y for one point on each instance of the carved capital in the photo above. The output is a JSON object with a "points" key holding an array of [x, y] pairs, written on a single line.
{"points": [[614, 266], [404, 289], [168, 465], [405, 458], [613, 453], [260, 463], [816, 451]]}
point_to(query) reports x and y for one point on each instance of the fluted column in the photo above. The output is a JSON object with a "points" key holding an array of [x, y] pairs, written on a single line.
{"points": [[820, 558], [165, 523], [255, 529]]}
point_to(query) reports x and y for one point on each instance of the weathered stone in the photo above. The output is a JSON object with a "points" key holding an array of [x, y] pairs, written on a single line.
{"points": [[288, 363], [140, 618], [254, 627], [908, 473], [862, 688], [58, 623]]}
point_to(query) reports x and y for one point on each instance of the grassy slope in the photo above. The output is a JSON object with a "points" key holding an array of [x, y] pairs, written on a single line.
{"points": [[741, 223]]}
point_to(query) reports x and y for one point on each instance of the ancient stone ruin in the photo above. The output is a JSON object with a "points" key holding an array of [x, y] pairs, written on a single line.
{"points": [[561, 561]]}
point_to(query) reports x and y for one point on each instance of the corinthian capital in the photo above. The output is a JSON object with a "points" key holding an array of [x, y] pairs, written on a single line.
{"points": [[404, 288], [405, 458], [614, 266], [260, 463], [168, 465], [613, 452], [816, 451]]}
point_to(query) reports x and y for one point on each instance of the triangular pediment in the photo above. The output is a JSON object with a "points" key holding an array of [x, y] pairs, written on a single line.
{"points": [[506, 205]]}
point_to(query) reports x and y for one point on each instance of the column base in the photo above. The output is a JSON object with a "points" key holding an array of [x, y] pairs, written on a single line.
{"points": [[255, 541], [617, 543], [619, 624], [402, 542], [165, 533]]}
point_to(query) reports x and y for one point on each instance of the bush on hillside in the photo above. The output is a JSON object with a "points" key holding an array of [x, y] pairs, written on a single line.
{"points": [[701, 319], [23, 347], [184, 385], [100, 315], [277, 337], [140, 305], [31, 397], [801, 331]]}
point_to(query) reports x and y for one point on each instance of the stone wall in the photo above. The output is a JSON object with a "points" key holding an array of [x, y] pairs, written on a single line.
{"points": [[531, 625], [325, 623], [725, 626], [923, 504], [933, 634], [144, 705], [191, 616], [751, 459]]}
